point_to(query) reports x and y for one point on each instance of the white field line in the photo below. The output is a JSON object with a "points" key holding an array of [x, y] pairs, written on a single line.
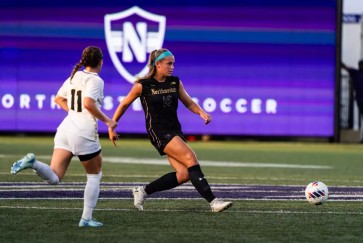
{"points": [[295, 194], [267, 198], [208, 177], [181, 210], [131, 160], [119, 186], [186, 186], [176, 199], [128, 185]]}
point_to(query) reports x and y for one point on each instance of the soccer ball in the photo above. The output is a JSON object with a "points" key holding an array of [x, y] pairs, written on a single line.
{"points": [[316, 193]]}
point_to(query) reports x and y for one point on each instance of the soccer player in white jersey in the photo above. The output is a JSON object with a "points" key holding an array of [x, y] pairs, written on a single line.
{"points": [[81, 97]]}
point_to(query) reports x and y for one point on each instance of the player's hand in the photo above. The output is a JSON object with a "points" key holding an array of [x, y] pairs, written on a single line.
{"points": [[111, 124], [113, 136], [206, 117]]}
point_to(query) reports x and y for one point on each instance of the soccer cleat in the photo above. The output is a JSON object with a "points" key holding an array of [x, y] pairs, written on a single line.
{"points": [[139, 197], [218, 205], [25, 163], [89, 223]]}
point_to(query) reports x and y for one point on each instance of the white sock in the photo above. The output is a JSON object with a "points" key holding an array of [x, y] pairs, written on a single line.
{"points": [[45, 172], [91, 193]]}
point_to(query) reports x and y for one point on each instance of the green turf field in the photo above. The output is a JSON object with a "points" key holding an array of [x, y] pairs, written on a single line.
{"points": [[184, 220]]}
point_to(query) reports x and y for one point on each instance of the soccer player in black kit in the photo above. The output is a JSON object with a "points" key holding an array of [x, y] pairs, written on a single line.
{"points": [[159, 93]]}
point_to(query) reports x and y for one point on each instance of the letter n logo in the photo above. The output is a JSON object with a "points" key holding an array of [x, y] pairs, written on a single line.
{"points": [[130, 36]]}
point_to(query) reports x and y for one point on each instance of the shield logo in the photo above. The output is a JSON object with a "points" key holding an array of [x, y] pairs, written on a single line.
{"points": [[130, 36]]}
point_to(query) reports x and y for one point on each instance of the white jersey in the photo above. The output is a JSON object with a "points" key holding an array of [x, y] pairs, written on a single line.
{"points": [[79, 121]]}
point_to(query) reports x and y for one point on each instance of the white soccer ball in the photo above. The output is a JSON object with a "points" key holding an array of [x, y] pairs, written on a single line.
{"points": [[316, 193]]}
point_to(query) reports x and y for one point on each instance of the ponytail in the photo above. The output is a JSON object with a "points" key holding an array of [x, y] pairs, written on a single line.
{"points": [[91, 56], [76, 68]]}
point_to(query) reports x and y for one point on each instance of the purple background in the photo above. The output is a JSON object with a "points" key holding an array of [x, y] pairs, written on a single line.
{"points": [[281, 50]]}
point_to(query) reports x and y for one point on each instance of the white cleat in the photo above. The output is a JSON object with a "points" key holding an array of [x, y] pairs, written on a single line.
{"points": [[89, 223], [218, 205], [22, 164], [139, 197]]}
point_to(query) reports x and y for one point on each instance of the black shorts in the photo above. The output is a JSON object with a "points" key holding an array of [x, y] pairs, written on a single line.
{"points": [[86, 157], [161, 139]]}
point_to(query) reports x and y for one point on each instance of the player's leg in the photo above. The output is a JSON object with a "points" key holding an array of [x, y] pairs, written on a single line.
{"points": [[92, 163], [169, 180], [61, 158], [181, 152], [165, 182], [52, 174], [181, 170]]}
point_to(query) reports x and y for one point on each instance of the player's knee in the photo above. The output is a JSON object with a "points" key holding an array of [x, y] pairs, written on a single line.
{"points": [[183, 176], [190, 159]]}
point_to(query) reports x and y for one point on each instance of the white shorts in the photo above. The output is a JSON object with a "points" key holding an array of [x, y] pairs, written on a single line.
{"points": [[75, 144]]}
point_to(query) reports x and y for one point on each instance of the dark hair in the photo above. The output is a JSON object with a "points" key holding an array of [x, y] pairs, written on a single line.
{"points": [[91, 57], [153, 55]]}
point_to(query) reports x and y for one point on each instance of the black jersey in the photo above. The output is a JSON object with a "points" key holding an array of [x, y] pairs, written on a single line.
{"points": [[160, 103]]}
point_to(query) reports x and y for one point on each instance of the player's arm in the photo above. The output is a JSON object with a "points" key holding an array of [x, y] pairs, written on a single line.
{"points": [[91, 106], [62, 102], [134, 93], [191, 105]]}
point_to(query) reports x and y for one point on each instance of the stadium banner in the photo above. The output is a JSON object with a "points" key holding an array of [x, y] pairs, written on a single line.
{"points": [[260, 68]]}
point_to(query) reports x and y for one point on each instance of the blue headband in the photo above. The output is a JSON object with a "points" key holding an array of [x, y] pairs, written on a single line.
{"points": [[162, 56]]}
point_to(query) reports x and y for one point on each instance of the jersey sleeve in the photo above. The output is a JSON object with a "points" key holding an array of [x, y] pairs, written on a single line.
{"points": [[142, 82], [62, 92]]}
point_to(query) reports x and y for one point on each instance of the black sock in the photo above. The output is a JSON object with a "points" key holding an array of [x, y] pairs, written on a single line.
{"points": [[166, 182], [200, 183]]}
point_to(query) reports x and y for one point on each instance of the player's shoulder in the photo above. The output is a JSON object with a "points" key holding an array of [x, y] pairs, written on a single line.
{"points": [[93, 77], [145, 81], [142, 81], [173, 79]]}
